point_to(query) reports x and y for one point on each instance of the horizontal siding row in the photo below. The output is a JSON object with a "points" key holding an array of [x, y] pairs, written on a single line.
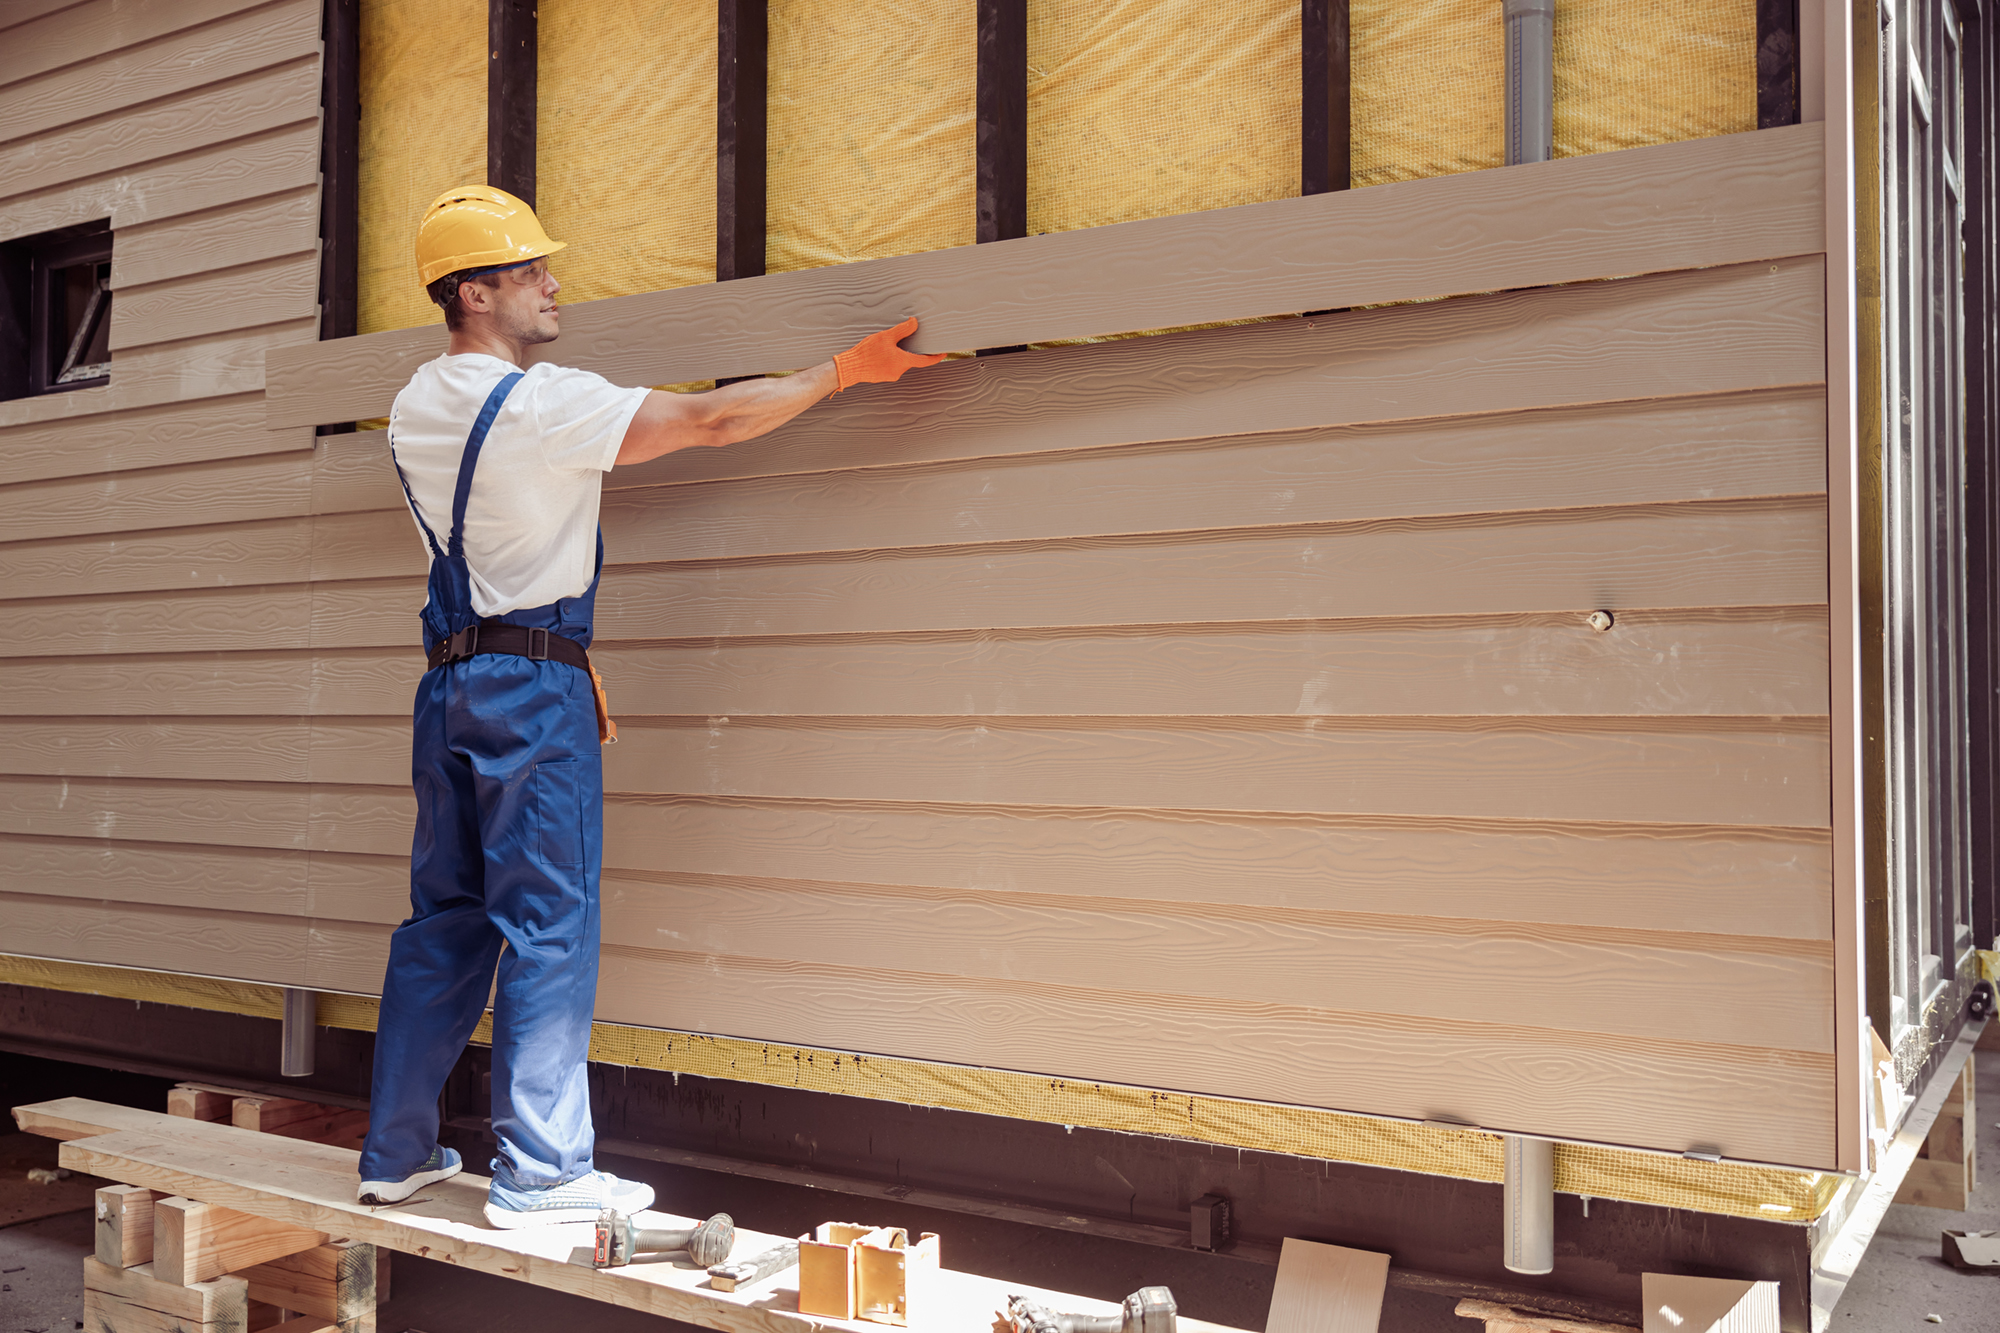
{"points": [[1217, 711]]}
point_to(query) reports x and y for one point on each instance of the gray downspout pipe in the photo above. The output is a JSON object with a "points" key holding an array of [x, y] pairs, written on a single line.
{"points": [[1531, 80], [295, 1054], [1529, 1201]]}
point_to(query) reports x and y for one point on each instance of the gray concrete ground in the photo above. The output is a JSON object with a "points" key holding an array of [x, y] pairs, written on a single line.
{"points": [[1900, 1281]]}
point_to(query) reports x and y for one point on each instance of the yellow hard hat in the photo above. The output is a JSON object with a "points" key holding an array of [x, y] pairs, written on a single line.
{"points": [[477, 226]]}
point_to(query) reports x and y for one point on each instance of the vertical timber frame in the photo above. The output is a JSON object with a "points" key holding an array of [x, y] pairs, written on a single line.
{"points": [[510, 97], [742, 46], [1778, 63], [1831, 46], [1982, 416], [1325, 78], [1002, 121], [340, 172]]}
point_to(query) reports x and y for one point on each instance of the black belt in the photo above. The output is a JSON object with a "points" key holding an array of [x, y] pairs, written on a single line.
{"points": [[497, 636]]}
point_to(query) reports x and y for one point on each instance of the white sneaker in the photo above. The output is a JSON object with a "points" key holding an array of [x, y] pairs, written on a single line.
{"points": [[442, 1164], [579, 1200]]}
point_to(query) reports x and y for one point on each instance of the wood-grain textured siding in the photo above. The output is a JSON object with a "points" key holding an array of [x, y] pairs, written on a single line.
{"points": [[1215, 711]]}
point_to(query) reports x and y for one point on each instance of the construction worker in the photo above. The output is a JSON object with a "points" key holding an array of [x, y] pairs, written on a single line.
{"points": [[502, 464]]}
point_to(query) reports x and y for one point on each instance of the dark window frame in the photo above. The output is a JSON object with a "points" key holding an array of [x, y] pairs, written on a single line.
{"points": [[39, 343]]}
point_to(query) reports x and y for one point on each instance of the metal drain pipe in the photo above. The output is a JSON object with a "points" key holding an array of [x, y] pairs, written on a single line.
{"points": [[295, 1050], [1529, 1200], [1531, 80]]}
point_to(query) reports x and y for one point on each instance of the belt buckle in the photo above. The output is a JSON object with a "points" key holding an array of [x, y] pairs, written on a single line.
{"points": [[533, 655], [462, 645]]}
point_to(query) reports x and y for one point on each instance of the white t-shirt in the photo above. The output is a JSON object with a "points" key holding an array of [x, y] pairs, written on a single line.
{"points": [[531, 517]]}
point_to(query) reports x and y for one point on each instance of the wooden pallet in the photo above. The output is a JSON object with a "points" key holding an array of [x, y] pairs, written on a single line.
{"points": [[297, 1192], [1946, 1169]]}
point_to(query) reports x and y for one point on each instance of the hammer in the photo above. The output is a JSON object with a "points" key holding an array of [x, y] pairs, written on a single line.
{"points": [[619, 1242], [1147, 1310]]}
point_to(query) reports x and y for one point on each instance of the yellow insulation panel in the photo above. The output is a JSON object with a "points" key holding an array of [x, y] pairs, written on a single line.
{"points": [[1427, 88], [423, 130], [1143, 108], [871, 133], [1634, 72], [625, 143], [1731, 1188]]}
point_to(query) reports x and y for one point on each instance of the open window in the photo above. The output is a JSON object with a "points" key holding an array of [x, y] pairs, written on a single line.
{"points": [[55, 311]]}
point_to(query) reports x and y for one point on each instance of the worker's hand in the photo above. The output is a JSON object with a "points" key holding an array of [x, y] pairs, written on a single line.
{"points": [[877, 360]]}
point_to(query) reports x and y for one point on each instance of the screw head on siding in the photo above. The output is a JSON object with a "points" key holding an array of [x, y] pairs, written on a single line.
{"points": [[1600, 621]]}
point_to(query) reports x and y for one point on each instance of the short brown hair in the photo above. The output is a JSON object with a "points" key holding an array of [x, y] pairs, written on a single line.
{"points": [[445, 292]]}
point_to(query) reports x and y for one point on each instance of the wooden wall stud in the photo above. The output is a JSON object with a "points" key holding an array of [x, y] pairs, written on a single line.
{"points": [[1777, 63], [510, 97], [1325, 162], [741, 114], [1002, 115], [340, 171]]}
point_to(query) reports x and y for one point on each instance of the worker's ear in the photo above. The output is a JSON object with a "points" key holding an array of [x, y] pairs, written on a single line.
{"points": [[474, 296]]}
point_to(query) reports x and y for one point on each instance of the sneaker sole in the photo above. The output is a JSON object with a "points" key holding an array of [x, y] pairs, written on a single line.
{"points": [[375, 1193], [508, 1219]]}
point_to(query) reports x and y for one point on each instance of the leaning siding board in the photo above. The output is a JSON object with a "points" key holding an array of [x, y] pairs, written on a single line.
{"points": [[242, 44], [265, 292], [1722, 553], [1741, 881], [199, 119], [1696, 204], [99, 27], [245, 168], [1700, 988], [237, 233], [1747, 1102], [162, 436]]}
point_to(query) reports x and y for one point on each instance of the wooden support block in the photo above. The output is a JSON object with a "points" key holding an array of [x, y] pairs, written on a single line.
{"points": [[194, 1101], [1511, 1319], [125, 1225], [1946, 1169], [295, 1119], [133, 1300], [195, 1242], [1676, 1304], [335, 1282], [312, 1324], [384, 1260], [1327, 1289], [265, 1316]]}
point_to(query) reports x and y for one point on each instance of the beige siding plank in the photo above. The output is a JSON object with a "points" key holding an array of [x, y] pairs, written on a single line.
{"points": [[218, 879], [22, 11], [1700, 988], [237, 45], [263, 749], [1708, 554], [1729, 880], [264, 228], [212, 367], [1752, 660], [1699, 449], [205, 304], [256, 486], [354, 472], [218, 813], [144, 438], [371, 614], [216, 112], [358, 819], [1693, 771], [216, 620], [283, 158], [99, 27], [380, 544], [1745, 1102], [219, 684], [1740, 329], [222, 555], [1696, 204]]}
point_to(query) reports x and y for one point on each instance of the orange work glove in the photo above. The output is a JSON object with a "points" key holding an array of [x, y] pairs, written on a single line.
{"points": [[877, 360]]}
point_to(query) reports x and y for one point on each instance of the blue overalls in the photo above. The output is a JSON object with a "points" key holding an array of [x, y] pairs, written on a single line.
{"points": [[509, 841]]}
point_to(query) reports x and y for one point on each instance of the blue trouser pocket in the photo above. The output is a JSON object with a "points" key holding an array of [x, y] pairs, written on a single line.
{"points": [[558, 805]]}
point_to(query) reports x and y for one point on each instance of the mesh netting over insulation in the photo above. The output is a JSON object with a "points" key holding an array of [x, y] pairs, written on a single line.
{"points": [[1136, 108]]}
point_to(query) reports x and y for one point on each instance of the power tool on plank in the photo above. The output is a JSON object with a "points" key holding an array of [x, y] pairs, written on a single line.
{"points": [[619, 1242], [1147, 1310]]}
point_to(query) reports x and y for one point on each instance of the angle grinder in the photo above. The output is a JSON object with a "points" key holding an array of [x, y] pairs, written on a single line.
{"points": [[1147, 1310], [619, 1242]]}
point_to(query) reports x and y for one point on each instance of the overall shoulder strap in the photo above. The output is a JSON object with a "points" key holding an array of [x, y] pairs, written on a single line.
{"points": [[470, 460], [415, 513]]}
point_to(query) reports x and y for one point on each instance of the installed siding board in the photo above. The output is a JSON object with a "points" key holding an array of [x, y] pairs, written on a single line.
{"points": [[268, 292], [266, 228], [222, 618], [241, 44], [219, 366], [259, 486], [97, 28], [232, 814], [1699, 203], [227, 427]]}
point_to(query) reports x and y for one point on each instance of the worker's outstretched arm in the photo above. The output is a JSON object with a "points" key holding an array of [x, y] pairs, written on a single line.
{"points": [[667, 422]]}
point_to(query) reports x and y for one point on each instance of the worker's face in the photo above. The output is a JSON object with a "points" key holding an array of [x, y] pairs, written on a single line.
{"points": [[523, 305]]}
